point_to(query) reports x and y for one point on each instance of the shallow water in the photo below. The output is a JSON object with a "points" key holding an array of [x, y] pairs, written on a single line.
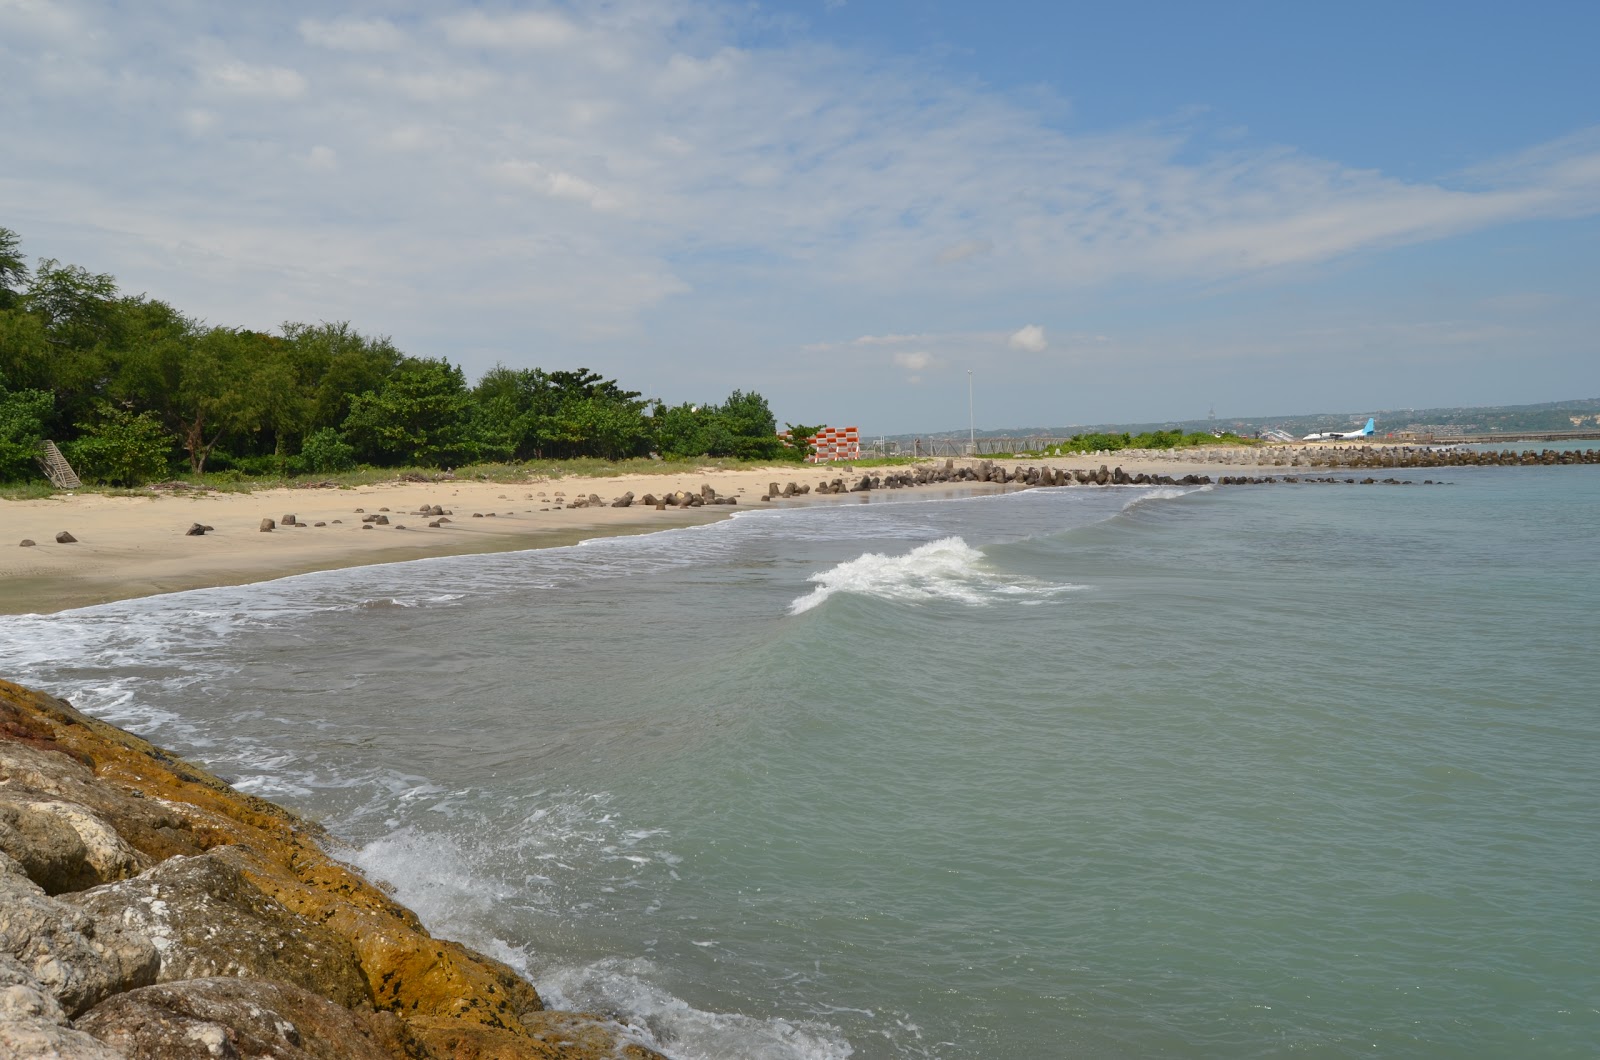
{"points": [[1074, 772]]}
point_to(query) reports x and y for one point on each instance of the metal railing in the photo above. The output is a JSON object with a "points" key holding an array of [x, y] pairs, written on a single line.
{"points": [[56, 468]]}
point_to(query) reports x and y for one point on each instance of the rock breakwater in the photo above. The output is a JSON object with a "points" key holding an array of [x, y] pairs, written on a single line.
{"points": [[149, 910], [1364, 456]]}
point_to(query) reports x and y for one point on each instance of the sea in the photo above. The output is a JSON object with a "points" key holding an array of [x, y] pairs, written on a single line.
{"points": [[1235, 771]]}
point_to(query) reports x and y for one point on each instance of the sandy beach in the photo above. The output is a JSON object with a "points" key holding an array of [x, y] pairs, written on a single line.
{"points": [[130, 546]]}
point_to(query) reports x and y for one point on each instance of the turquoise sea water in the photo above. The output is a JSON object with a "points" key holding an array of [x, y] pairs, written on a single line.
{"points": [[1248, 771]]}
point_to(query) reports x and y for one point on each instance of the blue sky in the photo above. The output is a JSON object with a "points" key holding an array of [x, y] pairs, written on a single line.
{"points": [[1132, 211]]}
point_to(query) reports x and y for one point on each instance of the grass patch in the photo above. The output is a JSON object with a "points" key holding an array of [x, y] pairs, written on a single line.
{"points": [[27, 491], [232, 481]]}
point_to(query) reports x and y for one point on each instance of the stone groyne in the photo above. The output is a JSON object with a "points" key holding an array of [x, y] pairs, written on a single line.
{"points": [[1364, 456], [148, 911]]}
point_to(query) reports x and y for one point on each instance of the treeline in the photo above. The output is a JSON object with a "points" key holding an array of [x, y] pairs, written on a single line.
{"points": [[1165, 439], [133, 390]]}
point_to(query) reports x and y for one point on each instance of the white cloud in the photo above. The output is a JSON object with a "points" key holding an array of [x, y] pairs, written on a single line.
{"points": [[42, 17], [322, 159], [243, 79], [915, 362], [1030, 338], [408, 138], [441, 87], [967, 248], [353, 34], [556, 184], [528, 29], [199, 121], [886, 340]]}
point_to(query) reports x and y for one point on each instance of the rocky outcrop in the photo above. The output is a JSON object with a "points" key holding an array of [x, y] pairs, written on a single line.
{"points": [[149, 910], [200, 1019]]}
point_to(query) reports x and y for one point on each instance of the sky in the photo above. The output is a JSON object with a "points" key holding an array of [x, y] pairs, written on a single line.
{"points": [[1123, 212]]}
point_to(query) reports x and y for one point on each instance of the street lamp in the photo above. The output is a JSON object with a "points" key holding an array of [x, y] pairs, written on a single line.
{"points": [[972, 430]]}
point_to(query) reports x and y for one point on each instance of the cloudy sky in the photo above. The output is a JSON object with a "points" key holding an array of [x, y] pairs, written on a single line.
{"points": [[1131, 211]]}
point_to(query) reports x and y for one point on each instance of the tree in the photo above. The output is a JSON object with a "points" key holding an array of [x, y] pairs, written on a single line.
{"points": [[800, 442], [13, 268], [73, 311], [331, 364], [22, 418], [419, 416], [25, 354], [203, 385], [681, 431], [751, 430], [74, 302], [508, 410], [326, 451], [742, 426]]}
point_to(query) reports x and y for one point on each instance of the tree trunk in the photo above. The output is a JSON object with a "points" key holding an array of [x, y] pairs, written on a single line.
{"points": [[195, 444]]}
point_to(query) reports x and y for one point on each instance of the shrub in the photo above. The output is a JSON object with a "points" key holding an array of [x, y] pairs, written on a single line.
{"points": [[119, 448], [326, 451]]}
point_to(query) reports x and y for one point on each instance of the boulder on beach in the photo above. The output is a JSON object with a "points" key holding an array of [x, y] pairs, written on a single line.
{"points": [[64, 538]]}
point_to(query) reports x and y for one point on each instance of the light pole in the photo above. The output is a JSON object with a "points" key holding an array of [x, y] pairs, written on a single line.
{"points": [[972, 430]]}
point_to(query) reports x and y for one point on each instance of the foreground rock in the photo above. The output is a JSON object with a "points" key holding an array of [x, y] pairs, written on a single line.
{"points": [[200, 1019], [149, 910]]}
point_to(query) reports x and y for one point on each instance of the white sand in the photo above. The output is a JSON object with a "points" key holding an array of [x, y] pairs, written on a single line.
{"points": [[136, 546]]}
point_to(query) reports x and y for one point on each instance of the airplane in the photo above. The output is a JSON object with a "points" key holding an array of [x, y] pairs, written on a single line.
{"points": [[1343, 436]]}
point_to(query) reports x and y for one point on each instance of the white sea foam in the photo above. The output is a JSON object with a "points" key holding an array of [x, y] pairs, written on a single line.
{"points": [[474, 885], [1163, 493], [948, 569], [663, 1021]]}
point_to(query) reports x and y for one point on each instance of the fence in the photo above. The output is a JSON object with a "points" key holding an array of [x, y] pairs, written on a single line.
{"points": [[940, 447]]}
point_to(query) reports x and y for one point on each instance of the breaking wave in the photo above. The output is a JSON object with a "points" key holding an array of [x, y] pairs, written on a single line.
{"points": [[947, 569]]}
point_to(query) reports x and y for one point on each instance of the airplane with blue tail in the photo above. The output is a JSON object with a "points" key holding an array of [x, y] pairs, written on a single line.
{"points": [[1343, 436]]}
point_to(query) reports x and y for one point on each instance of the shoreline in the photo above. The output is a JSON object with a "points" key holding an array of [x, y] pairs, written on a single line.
{"points": [[127, 547]]}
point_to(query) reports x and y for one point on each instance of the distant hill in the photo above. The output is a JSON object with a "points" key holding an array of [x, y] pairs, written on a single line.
{"points": [[1576, 414]]}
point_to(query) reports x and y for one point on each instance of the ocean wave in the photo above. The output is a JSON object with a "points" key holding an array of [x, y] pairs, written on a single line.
{"points": [[946, 569], [491, 885], [661, 1020], [1162, 493]]}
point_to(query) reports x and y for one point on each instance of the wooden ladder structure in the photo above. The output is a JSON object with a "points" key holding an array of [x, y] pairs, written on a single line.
{"points": [[56, 468]]}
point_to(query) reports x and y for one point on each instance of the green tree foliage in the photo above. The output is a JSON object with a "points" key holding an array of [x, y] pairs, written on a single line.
{"points": [[25, 359], [800, 441], [13, 268], [742, 427], [533, 414], [22, 418], [331, 364], [325, 451], [418, 417], [120, 448], [203, 384]]}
